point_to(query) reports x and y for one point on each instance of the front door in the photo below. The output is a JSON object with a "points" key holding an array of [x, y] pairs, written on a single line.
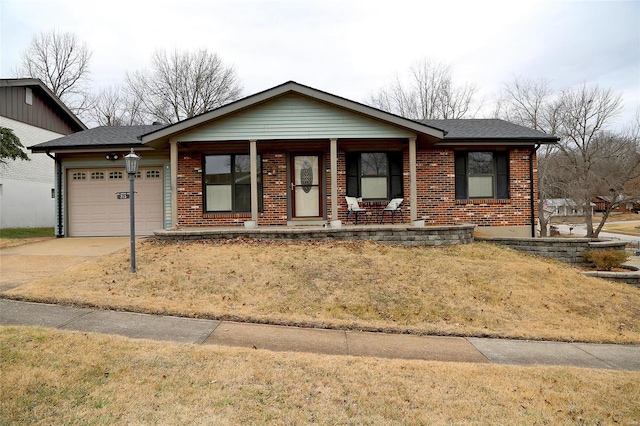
{"points": [[306, 186]]}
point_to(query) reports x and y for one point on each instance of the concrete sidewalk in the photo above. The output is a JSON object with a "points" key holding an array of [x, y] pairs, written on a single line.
{"points": [[331, 342]]}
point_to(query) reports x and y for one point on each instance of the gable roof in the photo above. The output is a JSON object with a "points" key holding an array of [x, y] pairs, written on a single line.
{"points": [[160, 137], [98, 137], [488, 129], [37, 84], [446, 132]]}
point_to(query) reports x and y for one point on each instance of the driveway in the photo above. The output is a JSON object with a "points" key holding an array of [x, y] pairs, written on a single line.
{"points": [[23, 264]]}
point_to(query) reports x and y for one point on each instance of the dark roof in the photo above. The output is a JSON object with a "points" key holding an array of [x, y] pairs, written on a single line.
{"points": [[35, 83], [487, 129], [99, 137]]}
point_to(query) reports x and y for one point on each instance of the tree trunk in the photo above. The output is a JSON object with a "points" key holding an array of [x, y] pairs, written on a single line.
{"points": [[588, 220], [605, 216], [543, 220]]}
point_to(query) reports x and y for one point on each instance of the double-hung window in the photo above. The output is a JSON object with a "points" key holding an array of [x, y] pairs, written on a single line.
{"points": [[227, 181], [374, 175], [482, 174]]}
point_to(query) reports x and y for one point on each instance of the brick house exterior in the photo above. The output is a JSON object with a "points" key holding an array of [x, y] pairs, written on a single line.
{"points": [[289, 155]]}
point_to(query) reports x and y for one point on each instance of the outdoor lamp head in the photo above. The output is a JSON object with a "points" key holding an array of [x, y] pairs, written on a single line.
{"points": [[131, 162]]}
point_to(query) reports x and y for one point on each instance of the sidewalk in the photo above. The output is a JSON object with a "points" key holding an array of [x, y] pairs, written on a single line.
{"points": [[330, 342]]}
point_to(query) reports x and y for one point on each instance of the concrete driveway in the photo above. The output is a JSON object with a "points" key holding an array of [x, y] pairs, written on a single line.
{"points": [[23, 264]]}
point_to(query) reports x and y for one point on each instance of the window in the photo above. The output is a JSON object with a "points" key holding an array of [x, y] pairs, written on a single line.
{"points": [[28, 99], [374, 175], [482, 174], [79, 176], [97, 175], [227, 181], [153, 174], [115, 175]]}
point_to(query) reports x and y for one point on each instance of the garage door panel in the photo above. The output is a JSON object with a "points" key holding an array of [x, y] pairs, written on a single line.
{"points": [[94, 210]]}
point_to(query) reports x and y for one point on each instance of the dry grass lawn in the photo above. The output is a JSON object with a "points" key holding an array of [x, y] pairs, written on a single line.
{"points": [[629, 228], [15, 242], [469, 290], [62, 377]]}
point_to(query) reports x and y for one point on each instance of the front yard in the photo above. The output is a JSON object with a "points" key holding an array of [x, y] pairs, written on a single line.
{"points": [[468, 290], [61, 377]]}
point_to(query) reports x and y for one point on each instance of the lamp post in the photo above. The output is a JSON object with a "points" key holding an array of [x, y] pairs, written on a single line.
{"points": [[131, 162]]}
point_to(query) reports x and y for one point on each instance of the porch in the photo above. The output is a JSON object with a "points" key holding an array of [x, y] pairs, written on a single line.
{"points": [[392, 234]]}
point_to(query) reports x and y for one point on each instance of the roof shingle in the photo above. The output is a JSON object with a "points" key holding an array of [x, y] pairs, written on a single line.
{"points": [[98, 137], [486, 128]]}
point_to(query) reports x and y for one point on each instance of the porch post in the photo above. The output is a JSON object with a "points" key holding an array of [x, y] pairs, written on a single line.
{"points": [[253, 157], [173, 155], [413, 186], [334, 179]]}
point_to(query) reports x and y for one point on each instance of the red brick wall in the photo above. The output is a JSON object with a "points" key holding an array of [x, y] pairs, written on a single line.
{"points": [[436, 193], [435, 182]]}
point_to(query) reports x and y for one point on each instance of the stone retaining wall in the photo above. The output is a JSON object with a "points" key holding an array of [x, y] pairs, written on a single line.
{"points": [[406, 235], [568, 250], [631, 277]]}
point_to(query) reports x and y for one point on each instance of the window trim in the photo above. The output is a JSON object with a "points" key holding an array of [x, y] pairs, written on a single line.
{"points": [[232, 184]]}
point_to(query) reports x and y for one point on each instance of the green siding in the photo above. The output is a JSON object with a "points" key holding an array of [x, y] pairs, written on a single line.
{"points": [[293, 117]]}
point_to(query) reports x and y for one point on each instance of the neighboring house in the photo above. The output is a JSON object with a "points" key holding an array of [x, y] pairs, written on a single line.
{"points": [[564, 207], [624, 205], [289, 156], [27, 188]]}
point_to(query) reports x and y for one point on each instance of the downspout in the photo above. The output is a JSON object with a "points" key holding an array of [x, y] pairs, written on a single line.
{"points": [[531, 192], [59, 233]]}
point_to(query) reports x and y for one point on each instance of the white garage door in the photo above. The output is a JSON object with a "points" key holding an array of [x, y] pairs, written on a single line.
{"points": [[94, 209]]}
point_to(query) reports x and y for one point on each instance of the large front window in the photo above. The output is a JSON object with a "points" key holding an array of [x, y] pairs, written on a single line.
{"points": [[482, 174], [227, 181], [374, 175]]}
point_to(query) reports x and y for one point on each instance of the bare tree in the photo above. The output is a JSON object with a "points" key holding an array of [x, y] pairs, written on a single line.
{"points": [[114, 106], [183, 84], [589, 161], [61, 61], [588, 152], [429, 94]]}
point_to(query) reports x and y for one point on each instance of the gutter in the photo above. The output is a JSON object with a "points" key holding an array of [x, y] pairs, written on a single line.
{"points": [[59, 233], [531, 192]]}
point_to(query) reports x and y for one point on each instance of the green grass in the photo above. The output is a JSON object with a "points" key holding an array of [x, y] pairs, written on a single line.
{"points": [[16, 233]]}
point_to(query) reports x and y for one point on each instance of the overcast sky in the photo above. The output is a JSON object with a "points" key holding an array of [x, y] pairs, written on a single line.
{"points": [[351, 48]]}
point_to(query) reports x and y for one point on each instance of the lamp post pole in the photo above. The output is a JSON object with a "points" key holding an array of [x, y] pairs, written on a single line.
{"points": [[131, 162]]}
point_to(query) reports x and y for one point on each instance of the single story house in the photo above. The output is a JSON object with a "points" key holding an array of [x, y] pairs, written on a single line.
{"points": [[564, 207], [624, 204], [35, 115], [289, 156]]}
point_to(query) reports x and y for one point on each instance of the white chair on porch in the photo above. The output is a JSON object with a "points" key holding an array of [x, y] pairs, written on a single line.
{"points": [[355, 209], [392, 207]]}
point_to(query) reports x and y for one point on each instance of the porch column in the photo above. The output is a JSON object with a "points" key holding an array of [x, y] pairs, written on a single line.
{"points": [[334, 178], [413, 186], [173, 155], [253, 158]]}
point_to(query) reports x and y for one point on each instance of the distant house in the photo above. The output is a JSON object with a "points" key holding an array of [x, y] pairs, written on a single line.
{"points": [[564, 207], [27, 188], [623, 205], [289, 156]]}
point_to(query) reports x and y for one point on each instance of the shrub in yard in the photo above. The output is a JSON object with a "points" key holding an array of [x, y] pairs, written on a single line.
{"points": [[605, 260]]}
